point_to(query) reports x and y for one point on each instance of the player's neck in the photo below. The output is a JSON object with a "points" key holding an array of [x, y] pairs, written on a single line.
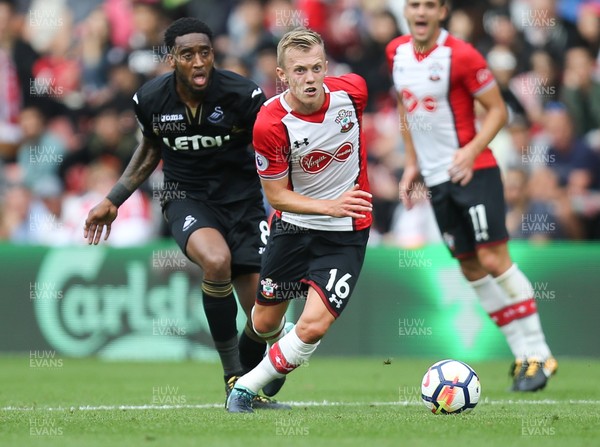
{"points": [[425, 46], [192, 100], [303, 108]]}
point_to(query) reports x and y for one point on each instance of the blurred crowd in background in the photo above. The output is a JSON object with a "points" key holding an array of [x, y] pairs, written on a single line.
{"points": [[69, 68]]}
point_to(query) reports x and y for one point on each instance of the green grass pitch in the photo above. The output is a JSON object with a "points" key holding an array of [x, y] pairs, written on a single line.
{"points": [[336, 402]]}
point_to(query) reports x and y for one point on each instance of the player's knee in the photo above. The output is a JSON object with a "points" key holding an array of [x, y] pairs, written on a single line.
{"points": [[491, 262], [263, 321], [471, 268], [311, 331], [264, 326], [215, 264]]}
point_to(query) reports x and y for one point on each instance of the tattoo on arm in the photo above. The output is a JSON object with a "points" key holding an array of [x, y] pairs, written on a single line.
{"points": [[145, 159]]}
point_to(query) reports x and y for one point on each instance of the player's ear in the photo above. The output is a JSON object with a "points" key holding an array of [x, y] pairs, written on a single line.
{"points": [[444, 11], [171, 60], [281, 75]]}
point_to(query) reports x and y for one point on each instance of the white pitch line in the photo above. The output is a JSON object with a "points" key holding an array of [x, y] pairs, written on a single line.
{"points": [[294, 404]]}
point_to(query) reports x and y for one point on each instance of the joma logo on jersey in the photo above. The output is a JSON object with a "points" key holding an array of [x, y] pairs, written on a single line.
{"points": [[168, 118], [195, 142]]}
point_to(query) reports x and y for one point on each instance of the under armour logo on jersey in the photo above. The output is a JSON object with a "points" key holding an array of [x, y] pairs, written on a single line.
{"points": [[189, 221], [298, 143], [217, 116]]}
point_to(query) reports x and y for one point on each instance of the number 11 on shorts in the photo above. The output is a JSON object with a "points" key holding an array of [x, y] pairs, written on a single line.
{"points": [[480, 223], [340, 287]]}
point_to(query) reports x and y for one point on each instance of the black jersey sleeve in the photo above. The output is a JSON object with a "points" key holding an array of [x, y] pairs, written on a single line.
{"points": [[143, 120], [252, 104]]}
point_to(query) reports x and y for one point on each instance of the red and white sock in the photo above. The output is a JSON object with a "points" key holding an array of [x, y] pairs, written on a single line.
{"points": [[523, 311], [283, 357], [493, 299]]}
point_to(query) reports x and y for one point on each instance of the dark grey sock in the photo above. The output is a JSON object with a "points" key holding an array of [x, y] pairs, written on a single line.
{"points": [[230, 357]]}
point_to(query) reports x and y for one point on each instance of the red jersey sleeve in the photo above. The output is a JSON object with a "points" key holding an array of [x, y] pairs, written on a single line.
{"points": [[476, 74], [392, 47], [352, 84], [271, 145]]}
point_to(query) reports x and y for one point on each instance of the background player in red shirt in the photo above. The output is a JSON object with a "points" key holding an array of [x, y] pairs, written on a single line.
{"points": [[438, 77], [311, 158]]}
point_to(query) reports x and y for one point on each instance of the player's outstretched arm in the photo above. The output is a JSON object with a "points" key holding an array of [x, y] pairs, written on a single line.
{"points": [[352, 203], [411, 168], [145, 159]]}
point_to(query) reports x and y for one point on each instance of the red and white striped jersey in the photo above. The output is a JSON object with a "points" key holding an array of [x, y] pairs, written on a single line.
{"points": [[437, 90], [322, 154]]}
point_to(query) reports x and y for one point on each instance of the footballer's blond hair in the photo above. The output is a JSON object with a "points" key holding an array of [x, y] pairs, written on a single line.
{"points": [[299, 38]]}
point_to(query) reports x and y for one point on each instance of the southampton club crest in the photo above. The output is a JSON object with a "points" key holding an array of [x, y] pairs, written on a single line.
{"points": [[434, 71], [344, 120], [268, 288]]}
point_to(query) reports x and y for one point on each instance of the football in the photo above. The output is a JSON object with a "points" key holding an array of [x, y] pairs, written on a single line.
{"points": [[450, 387]]}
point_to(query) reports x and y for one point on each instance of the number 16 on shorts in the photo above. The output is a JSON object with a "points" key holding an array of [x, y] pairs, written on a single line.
{"points": [[340, 287]]}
